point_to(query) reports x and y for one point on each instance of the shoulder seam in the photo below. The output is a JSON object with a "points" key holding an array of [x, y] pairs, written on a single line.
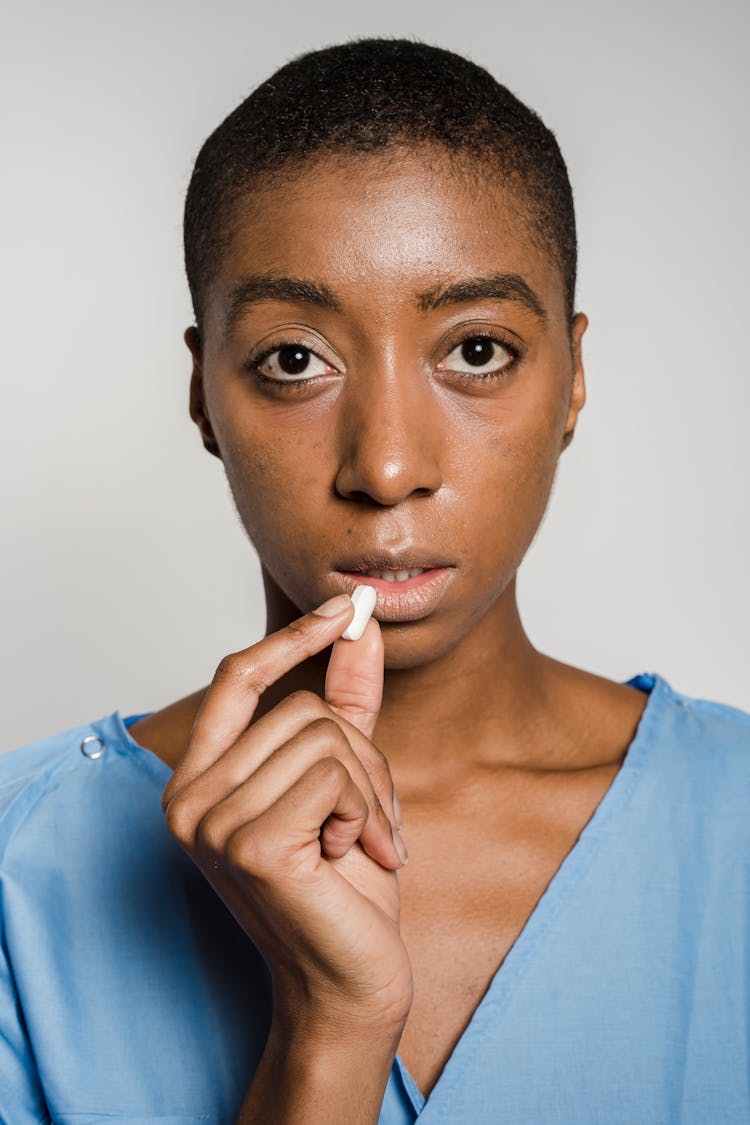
{"points": [[37, 785], [725, 710]]}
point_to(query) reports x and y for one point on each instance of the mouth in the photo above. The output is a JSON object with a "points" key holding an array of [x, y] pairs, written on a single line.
{"points": [[408, 587]]}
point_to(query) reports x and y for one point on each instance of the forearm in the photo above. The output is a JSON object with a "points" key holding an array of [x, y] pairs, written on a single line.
{"points": [[298, 1082]]}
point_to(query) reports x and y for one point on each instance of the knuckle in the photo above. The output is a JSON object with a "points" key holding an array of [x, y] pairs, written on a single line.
{"points": [[307, 702], [228, 667], [330, 770], [209, 833], [298, 630], [239, 669], [248, 850], [239, 850], [179, 821], [327, 730]]}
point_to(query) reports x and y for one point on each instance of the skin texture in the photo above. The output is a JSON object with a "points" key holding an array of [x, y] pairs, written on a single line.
{"points": [[499, 754]]}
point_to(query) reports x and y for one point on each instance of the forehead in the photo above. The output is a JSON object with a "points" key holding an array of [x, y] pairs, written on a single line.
{"points": [[386, 226]]}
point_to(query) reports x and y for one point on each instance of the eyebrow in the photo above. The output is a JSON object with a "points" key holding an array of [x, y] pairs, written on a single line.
{"points": [[266, 287], [500, 286]]}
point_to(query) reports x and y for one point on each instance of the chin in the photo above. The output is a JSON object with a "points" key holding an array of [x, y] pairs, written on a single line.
{"points": [[415, 644]]}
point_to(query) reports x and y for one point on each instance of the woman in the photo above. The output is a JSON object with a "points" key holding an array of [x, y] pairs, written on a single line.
{"points": [[208, 911]]}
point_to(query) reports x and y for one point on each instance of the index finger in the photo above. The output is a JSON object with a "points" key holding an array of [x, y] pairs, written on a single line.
{"points": [[241, 678]]}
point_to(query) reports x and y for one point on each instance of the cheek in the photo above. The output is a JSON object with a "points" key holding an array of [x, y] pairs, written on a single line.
{"points": [[278, 482], [532, 463], [519, 460]]}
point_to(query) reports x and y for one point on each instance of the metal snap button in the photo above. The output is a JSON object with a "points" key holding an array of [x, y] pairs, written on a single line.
{"points": [[92, 747]]}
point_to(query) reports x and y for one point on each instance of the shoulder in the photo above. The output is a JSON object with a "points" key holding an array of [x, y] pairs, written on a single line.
{"points": [[692, 723], [700, 749], [28, 771], [721, 718], [56, 786], [707, 728]]}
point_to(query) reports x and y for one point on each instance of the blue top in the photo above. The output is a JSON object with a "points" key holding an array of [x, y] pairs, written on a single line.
{"points": [[128, 993]]}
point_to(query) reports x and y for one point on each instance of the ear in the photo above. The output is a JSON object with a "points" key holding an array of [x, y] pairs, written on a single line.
{"points": [[198, 411], [578, 385]]}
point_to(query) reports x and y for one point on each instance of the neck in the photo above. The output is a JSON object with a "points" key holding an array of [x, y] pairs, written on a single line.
{"points": [[484, 695], [491, 702]]}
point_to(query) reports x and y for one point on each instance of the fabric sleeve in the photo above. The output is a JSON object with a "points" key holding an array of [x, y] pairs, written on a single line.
{"points": [[21, 1098]]}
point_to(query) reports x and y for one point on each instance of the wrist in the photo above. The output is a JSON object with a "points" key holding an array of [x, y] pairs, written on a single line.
{"points": [[321, 1081], [315, 1015], [330, 1039]]}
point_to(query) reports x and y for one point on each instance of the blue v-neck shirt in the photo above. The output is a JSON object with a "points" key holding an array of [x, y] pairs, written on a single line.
{"points": [[129, 994]]}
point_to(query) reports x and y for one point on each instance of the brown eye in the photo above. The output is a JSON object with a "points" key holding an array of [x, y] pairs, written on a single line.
{"points": [[292, 359], [480, 356], [478, 351], [290, 363]]}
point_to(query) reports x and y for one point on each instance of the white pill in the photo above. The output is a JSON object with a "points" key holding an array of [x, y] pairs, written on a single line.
{"points": [[364, 598]]}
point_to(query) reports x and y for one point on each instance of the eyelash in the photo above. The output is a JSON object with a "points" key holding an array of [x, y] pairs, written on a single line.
{"points": [[254, 363], [493, 376]]}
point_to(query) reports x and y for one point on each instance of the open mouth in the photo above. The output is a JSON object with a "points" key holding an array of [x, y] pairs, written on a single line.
{"points": [[406, 590], [395, 575]]}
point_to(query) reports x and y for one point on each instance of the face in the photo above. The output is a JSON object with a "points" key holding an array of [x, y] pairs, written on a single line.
{"points": [[393, 412]]}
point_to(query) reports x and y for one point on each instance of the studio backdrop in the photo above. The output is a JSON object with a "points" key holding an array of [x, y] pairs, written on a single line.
{"points": [[125, 573]]}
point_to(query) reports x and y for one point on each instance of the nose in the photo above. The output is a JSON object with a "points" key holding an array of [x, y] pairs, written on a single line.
{"points": [[390, 438]]}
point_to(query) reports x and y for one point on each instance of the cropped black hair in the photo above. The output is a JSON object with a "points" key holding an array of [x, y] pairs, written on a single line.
{"points": [[367, 95]]}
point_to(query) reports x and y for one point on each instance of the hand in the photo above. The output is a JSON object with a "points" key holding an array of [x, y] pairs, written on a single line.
{"points": [[287, 820]]}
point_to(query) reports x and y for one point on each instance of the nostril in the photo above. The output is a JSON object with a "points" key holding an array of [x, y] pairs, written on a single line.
{"points": [[372, 470], [384, 497], [362, 497]]}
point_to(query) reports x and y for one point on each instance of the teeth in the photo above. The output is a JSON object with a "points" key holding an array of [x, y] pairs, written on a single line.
{"points": [[394, 575]]}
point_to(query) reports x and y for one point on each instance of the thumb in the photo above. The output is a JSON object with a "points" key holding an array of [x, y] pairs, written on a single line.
{"points": [[354, 681]]}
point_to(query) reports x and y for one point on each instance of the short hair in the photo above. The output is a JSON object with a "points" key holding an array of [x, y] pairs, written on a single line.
{"points": [[371, 94]]}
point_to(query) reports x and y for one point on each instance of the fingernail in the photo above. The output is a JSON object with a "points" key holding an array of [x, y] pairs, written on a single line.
{"points": [[400, 846], [397, 811], [334, 606], [364, 598]]}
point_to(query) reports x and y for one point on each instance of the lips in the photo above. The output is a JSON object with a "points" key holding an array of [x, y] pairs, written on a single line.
{"points": [[394, 561], [408, 586], [394, 575]]}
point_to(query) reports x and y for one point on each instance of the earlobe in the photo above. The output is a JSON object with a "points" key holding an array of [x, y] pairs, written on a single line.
{"points": [[198, 411], [577, 397]]}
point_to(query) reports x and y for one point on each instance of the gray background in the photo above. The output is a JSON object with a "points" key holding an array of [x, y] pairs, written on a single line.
{"points": [[125, 573]]}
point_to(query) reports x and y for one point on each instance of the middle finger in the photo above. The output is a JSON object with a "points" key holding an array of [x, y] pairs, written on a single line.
{"points": [[273, 729]]}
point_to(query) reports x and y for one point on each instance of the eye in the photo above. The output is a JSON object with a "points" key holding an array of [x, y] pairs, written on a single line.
{"points": [[289, 363], [480, 356]]}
